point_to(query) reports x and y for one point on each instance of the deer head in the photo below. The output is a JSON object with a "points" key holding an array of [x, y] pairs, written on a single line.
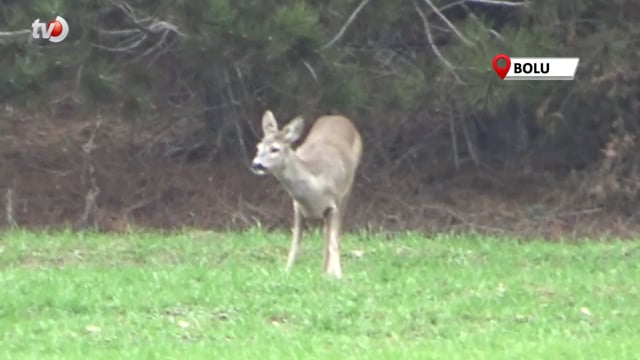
{"points": [[275, 148]]}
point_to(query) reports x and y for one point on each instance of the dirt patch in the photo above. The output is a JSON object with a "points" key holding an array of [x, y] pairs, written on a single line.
{"points": [[43, 163]]}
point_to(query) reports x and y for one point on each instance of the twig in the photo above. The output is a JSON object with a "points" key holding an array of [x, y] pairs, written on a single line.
{"points": [[138, 205], [11, 222], [427, 30], [90, 145], [454, 141], [412, 151], [313, 73], [581, 212], [88, 218], [248, 99], [239, 132], [73, 94], [351, 18], [446, 209], [470, 146]]}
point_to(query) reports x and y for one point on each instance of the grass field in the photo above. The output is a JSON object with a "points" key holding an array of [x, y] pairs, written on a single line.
{"points": [[204, 295]]}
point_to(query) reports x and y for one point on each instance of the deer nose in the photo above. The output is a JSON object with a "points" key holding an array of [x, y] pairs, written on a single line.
{"points": [[257, 167]]}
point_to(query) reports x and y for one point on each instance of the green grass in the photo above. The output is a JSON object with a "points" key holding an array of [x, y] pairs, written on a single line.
{"points": [[202, 295]]}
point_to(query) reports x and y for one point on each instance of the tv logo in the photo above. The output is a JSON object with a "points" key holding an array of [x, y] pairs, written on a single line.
{"points": [[535, 68], [55, 30]]}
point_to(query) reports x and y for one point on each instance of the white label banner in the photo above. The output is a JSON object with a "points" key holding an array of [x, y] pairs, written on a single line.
{"points": [[542, 68]]}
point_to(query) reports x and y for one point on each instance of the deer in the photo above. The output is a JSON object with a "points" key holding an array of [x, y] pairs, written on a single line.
{"points": [[318, 175]]}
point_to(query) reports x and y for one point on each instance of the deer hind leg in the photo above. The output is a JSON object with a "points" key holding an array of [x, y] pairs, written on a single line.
{"points": [[296, 238], [332, 243], [325, 234]]}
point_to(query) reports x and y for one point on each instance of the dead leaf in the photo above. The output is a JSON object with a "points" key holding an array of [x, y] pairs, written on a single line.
{"points": [[585, 311], [93, 329], [183, 324]]}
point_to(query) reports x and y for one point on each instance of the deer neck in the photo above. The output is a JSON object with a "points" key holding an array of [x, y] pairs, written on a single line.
{"points": [[296, 179]]}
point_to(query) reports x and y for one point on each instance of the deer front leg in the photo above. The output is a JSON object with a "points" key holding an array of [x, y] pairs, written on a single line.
{"points": [[296, 237], [325, 232], [332, 244]]}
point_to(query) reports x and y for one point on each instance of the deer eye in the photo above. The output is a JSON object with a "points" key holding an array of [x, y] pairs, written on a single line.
{"points": [[274, 149]]}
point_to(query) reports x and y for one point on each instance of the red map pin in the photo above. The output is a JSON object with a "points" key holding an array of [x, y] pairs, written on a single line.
{"points": [[501, 71]]}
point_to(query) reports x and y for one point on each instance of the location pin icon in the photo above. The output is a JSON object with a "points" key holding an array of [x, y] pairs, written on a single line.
{"points": [[501, 71]]}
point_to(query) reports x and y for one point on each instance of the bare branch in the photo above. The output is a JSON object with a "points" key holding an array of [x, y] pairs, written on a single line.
{"points": [[496, 34], [500, 2], [134, 45], [149, 36], [488, 2], [128, 10], [444, 18], [14, 33], [351, 18], [123, 32], [236, 122], [6, 36], [156, 26], [463, 3], [88, 217], [90, 145], [470, 145], [161, 26], [248, 99], [313, 73], [73, 94], [164, 50], [427, 30], [481, 24], [156, 46]]}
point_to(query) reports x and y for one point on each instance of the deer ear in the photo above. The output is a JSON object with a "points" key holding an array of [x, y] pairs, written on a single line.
{"points": [[293, 130], [269, 123]]}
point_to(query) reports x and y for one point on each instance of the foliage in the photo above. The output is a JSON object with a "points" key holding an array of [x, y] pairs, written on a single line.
{"points": [[251, 55]]}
